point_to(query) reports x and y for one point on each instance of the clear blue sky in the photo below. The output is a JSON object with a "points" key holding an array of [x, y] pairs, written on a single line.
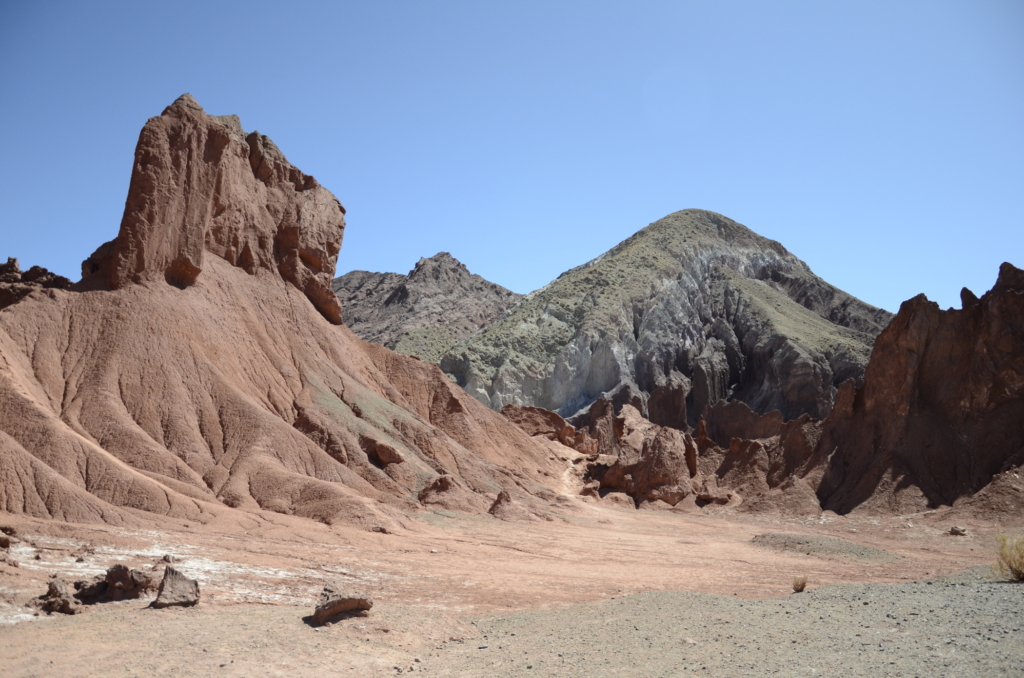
{"points": [[881, 142]]}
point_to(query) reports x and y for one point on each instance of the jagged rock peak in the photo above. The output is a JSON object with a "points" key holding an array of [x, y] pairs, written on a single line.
{"points": [[201, 186], [424, 313], [441, 264]]}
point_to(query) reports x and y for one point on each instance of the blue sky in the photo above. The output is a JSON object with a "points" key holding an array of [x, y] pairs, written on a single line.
{"points": [[883, 143]]}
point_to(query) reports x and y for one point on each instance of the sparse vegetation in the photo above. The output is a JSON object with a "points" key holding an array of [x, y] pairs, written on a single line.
{"points": [[1010, 557], [799, 584]]}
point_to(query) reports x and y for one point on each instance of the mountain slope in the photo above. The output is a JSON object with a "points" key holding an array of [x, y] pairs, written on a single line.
{"points": [[695, 304], [198, 370], [437, 305]]}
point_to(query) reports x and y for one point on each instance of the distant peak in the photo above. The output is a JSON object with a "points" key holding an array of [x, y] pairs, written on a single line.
{"points": [[442, 261]]}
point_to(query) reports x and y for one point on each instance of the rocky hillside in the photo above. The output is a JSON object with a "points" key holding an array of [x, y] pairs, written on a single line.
{"points": [[199, 371], [425, 313], [938, 421], [690, 310]]}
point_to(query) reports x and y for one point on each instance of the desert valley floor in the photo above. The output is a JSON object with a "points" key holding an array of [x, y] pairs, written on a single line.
{"points": [[600, 589]]}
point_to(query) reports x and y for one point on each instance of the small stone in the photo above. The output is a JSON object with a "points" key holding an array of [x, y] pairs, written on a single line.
{"points": [[958, 531]]}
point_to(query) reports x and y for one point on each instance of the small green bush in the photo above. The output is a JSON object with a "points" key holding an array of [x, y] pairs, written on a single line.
{"points": [[1010, 557], [799, 584]]}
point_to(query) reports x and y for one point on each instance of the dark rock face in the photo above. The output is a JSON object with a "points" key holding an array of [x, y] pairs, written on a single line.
{"points": [[696, 305], [938, 421], [438, 304], [201, 185], [15, 285], [942, 407]]}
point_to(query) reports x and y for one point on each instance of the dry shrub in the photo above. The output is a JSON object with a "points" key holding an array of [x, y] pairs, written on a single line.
{"points": [[799, 584], [1010, 557]]}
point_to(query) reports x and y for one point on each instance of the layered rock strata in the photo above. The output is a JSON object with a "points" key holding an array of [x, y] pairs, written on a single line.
{"points": [[938, 421], [437, 305], [696, 308], [197, 371]]}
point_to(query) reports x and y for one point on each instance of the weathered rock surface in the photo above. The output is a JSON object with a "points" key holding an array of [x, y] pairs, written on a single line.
{"points": [[189, 377], [438, 304], [334, 600], [201, 185], [176, 590], [59, 598], [695, 302], [507, 508], [942, 407], [15, 285], [536, 421], [939, 421], [656, 466], [119, 583], [449, 493]]}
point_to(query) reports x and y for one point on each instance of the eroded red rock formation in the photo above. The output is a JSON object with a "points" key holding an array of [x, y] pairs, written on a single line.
{"points": [[200, 368]]}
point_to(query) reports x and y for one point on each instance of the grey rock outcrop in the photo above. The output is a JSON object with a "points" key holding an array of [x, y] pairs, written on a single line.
{"points": [[176, 589], [694, 301], [438, 304]]}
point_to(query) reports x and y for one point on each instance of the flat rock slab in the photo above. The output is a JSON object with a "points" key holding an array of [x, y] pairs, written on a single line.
{"points": [[176, 589], [333, 602]]}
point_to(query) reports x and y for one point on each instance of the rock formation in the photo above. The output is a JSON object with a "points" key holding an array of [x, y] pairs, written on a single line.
{"points": [[334, 600], [201, 185], [939, 420], [696, 308], [119, 583], [425, 313], [197, 370], [942, 407], [176, 590], [16, 285]]}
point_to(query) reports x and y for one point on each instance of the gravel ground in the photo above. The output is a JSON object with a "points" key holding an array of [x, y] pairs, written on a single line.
{"points": [[962, 625], [821, 546]]}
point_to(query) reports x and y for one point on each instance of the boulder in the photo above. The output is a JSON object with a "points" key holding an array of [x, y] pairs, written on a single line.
{"points": [[176, 589], [335, 601], [119, 583], [59, 598]]}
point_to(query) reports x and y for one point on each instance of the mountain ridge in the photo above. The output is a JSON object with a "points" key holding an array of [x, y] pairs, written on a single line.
{"points": [[615, 321]]}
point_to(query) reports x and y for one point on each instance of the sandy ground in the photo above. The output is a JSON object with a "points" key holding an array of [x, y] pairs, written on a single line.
{"points": [[571, 586]]}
